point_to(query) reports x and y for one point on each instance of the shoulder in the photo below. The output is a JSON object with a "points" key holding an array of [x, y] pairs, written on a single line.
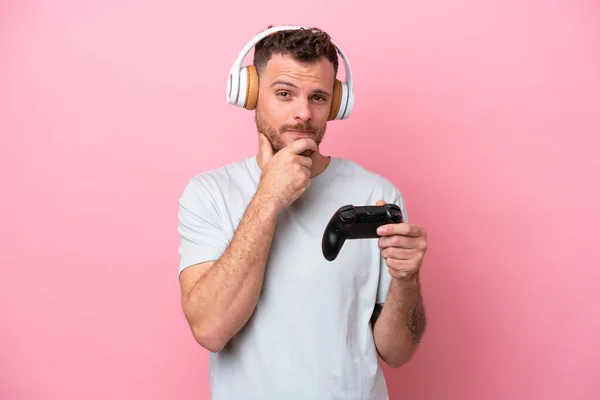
{"points": [[222, 175], [201, 185]]}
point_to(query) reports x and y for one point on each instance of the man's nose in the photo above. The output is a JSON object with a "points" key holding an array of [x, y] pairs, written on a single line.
{"points": [[303, 111]]}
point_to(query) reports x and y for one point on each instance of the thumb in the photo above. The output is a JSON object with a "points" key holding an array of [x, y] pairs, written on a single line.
{"points": [[380, 203], [265, 150]]}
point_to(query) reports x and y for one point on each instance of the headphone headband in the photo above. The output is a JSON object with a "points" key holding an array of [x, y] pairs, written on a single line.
{"points": [[234, 82]]}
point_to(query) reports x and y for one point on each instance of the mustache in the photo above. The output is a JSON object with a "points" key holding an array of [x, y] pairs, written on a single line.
{"points": [[304, 128]]}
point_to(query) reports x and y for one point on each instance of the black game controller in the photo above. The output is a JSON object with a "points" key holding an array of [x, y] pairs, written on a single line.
{"points": [[356, 222]]}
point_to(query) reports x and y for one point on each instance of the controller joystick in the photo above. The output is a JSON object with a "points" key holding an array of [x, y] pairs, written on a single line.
{"points": [[356, 222]]}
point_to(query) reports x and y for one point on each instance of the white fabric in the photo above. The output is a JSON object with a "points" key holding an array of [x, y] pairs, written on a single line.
{"points": [[310, 336]]}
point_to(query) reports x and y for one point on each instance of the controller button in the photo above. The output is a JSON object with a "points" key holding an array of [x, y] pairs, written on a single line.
{"points": [[346, 216]]}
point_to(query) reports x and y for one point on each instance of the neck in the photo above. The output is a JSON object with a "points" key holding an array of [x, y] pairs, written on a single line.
{"points": [[320, 162]]}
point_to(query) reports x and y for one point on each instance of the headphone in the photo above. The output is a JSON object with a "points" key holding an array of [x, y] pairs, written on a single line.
{"points": [[242, 84]]}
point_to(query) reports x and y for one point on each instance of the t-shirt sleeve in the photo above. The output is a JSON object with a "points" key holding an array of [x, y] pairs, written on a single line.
{"points": [[384, 273], [201, 237]]}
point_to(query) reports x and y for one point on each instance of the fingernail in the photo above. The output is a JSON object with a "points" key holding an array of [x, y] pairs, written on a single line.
{"points": [[381, 230]]}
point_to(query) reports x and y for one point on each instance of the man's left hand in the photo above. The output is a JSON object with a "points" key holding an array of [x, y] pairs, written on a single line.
{"points": [[403, 246]]}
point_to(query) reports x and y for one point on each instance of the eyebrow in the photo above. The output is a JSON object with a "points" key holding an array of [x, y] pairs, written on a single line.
{"points": [[285, 83]]}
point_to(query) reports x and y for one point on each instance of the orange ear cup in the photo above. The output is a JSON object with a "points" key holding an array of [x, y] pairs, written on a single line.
{"points": [[252, 93], [251, 88], [336, 100]]}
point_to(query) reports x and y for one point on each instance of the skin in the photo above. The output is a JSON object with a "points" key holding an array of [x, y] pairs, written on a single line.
{"points": [[399, 326], [218, 297], [293, 103]]}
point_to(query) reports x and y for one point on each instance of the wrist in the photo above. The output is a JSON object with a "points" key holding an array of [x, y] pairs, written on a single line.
{"points": [[409, 280], [265, 205]]}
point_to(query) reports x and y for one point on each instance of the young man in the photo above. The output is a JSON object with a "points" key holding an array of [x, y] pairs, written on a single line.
{"points": [[279, 320]]}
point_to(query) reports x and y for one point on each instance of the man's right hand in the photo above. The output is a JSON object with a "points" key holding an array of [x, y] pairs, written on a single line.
{"points": [[285, 175]]}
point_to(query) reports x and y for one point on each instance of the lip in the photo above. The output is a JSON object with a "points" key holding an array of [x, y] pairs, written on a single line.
{"points": [[300, 133]]}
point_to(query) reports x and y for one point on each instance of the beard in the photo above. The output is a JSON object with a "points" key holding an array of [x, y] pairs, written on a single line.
{"points": [[275, 135]]}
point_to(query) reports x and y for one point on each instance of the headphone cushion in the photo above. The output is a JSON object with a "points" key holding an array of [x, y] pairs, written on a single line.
{"points": [[251, 87], [336, 99]]}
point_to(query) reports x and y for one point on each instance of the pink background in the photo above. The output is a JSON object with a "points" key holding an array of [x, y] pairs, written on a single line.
{"points": [[488, 113]]}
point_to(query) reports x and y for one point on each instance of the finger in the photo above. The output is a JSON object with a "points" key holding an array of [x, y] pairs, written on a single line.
{"points": [[399, 267], [265, 149], [404, 229], [380, 203], [398, 253], [399, 241], [304, 161], [302, 145]]}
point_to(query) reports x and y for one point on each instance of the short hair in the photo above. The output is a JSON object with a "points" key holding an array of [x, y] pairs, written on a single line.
{"points": [[304, 45]]}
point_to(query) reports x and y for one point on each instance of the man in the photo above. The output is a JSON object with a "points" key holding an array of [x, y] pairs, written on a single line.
{"points": [[279, 320]]}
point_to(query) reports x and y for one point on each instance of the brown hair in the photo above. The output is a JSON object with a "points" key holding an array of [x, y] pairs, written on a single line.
{"points": [[305, 45]]}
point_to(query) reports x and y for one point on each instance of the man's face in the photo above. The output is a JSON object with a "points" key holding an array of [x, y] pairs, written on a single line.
{"points": [[294, 100]]}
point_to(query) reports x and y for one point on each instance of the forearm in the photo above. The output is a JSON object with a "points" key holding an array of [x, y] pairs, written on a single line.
{"points": [[401, 324], [223, 299]]}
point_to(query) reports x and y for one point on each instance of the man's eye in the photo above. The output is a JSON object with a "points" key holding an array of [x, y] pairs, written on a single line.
{"points": [[283, 94], [319, 98]]}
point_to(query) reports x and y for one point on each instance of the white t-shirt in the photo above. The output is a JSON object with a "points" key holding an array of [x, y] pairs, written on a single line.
{"points": [[310, 335]]}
